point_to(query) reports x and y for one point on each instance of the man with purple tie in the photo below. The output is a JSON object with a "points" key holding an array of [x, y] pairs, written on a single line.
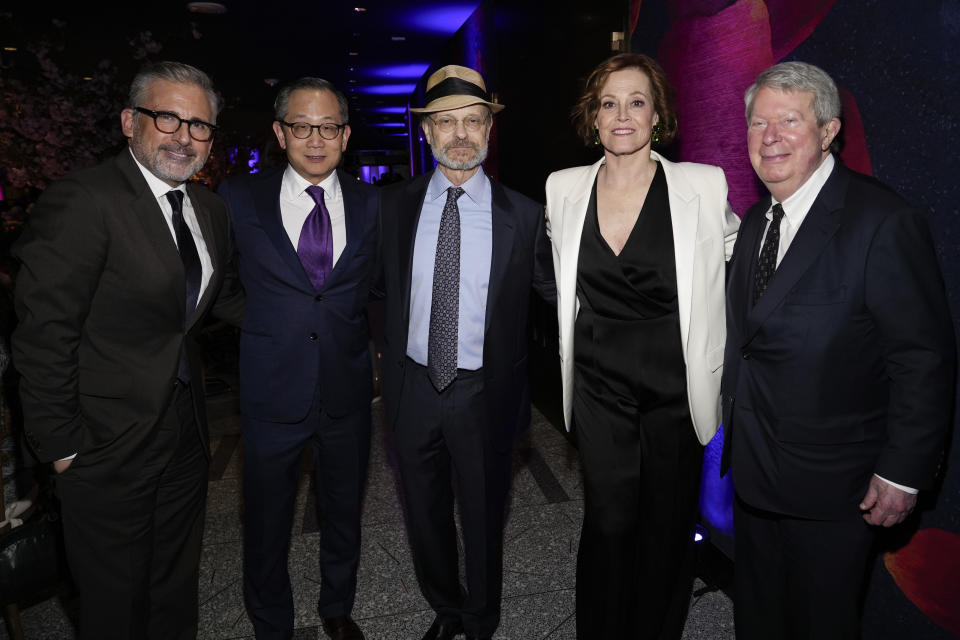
{"points": [[306, 238]]}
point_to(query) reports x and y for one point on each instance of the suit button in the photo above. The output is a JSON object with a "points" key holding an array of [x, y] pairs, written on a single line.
{"points": [[314, 336], [746, 355], [318, 297]]}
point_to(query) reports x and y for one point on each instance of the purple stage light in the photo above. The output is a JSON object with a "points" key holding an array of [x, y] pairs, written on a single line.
{"points": [[387, 89], [387, 109], [411, 71], [445, 20]]}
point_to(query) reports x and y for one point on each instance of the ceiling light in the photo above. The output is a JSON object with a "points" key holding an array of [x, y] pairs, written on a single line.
{"points": [[359, 9], [353, 53], [398, 38], [9, 48]]}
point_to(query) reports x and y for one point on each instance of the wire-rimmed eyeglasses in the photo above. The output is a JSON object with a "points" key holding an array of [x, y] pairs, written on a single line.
{"points": [[446, 124], [169, 122]]}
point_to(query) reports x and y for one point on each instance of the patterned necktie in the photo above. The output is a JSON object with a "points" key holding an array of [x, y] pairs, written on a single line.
{"points": [[767, 263], [315, 247], [191, 270], [445, 306]]}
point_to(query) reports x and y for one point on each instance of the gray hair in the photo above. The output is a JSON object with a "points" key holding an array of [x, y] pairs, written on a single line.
{"points": [[282, 102], [799, 76], [171, 72]]}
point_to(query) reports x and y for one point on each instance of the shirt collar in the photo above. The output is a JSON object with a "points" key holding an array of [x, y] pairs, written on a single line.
{"points": [[158, 187], [477, 188], [795, 207], [294, 185]]}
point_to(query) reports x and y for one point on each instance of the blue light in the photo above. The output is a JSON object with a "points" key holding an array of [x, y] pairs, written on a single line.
{"points": [[716, 493], [387, 109], [390, 124], [411, 71], [388, 89], [445, 20]]}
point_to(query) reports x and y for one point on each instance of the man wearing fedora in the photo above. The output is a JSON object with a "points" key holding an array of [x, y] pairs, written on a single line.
{"points": [[460, 255]]}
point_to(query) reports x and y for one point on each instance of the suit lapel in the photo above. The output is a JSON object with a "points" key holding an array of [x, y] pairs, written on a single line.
{"points": [[818, 227], [354, 212], [684, 218], [408, 215], [210, 240], [503, 237], [266, 202], [573, 214], [147, 210]]}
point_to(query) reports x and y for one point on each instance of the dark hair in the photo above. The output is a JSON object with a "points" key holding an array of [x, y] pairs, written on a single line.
{"points": [[283, 97], [585, 111], [172, 72]]}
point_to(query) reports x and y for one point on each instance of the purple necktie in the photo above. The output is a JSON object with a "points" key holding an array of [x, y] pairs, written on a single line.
{"points": [[316, 240]]}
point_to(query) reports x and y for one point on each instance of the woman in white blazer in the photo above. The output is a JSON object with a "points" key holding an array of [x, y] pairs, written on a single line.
{"points": [[639, 248]]}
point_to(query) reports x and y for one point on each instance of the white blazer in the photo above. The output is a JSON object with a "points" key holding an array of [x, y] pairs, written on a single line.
{"points": [[704, 230]]}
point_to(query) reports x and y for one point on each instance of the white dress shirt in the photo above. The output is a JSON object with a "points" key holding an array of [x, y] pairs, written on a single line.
{"points": [[160, 189], [296, 204]]}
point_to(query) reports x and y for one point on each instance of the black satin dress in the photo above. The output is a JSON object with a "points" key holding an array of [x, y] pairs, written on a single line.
{"points": [[640, 456]]}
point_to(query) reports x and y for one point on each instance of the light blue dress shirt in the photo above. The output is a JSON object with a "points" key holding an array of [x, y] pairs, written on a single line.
{"points": [[476, 251]]}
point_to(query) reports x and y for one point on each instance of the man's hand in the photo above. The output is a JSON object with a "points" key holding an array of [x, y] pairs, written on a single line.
{"points": [[62, 465], [885, 505]]}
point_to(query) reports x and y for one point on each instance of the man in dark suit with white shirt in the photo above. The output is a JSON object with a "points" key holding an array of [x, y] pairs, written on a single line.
{"points": [[306, 237], [120, 265], [839, 370]]}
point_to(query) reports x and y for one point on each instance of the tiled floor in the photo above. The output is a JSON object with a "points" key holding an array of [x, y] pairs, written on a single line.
{"points": [[540, 550]]}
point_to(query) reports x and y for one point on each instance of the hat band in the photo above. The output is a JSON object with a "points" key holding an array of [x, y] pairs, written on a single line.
{"points": [[453, 87]]}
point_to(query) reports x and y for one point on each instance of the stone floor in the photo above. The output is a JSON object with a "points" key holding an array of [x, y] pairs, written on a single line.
{"points": [[540, 549]]}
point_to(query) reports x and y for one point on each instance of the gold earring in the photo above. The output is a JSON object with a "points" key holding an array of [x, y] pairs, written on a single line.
{"points": [[596, 137], [656, 133]]}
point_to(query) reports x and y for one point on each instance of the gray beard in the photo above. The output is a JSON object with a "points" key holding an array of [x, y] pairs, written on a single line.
{"points": [[462, 165]]}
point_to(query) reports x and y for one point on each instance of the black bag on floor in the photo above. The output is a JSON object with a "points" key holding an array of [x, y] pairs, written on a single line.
{"points": [[31, 558]]}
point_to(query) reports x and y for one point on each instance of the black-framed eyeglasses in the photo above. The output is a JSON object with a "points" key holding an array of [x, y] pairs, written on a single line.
{"points": [[303, 130], [169, 122]]}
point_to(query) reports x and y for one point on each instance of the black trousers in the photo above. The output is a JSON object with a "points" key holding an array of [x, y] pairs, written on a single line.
{"points": [[798, 579], [133, 523], [445, 452], [636, 558], [271, 478]]}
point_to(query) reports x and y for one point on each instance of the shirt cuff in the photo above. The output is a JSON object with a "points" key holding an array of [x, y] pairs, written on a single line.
{"points": [[910, 490], [75, 455]]}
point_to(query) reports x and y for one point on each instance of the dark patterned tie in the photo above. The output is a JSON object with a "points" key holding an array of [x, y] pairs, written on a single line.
{"points": [[191, 269], [767, 262], [445, 306], [315, 247]]}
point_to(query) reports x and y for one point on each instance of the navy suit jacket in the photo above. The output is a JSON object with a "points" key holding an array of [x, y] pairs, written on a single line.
{"points": [[297, 341], [521, 261], [846, 366]]}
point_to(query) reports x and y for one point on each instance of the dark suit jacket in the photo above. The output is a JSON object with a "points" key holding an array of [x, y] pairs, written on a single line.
{"points": [[101, 301], [846, 365], [521, 260], [296, 340]]}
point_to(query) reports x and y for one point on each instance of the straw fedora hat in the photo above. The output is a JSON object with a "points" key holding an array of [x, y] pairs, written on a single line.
{"points": [[452, 87]]}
